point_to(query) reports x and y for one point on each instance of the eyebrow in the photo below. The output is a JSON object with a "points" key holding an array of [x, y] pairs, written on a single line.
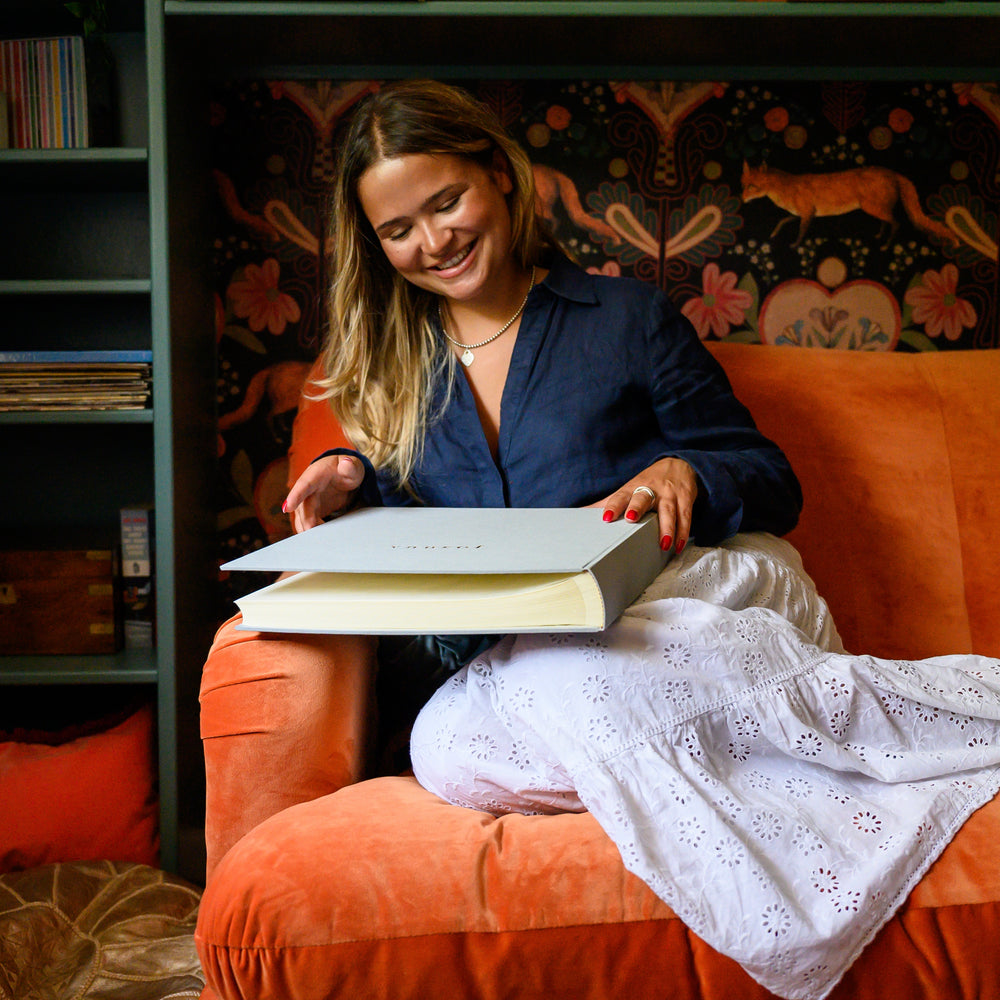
{"points": [[400, 219]]}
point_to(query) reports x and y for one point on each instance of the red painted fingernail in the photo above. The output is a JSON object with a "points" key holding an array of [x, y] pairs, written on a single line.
{"points": [[609, 515], [284, 507], [665, 542], [680, 545], [631, 515]]}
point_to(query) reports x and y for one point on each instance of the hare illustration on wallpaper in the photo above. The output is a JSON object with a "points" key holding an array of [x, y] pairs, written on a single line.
{"points": [[849, 215]]}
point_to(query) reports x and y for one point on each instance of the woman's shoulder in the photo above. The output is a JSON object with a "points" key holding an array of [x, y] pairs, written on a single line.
{"points": [[568, 279], [615, 296], [629, 322]]}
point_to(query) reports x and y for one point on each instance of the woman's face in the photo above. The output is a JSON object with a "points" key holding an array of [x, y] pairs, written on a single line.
{"points": [[442, 221]]}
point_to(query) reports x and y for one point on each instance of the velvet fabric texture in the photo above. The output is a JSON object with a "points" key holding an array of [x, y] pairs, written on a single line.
{"points": [[306, 701], [379, 889]]}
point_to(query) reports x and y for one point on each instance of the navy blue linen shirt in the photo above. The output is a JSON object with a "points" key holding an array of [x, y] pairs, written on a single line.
{"points": [[606, 378]]}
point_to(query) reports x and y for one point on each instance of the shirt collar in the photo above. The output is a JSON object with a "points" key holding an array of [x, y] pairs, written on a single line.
{"points": [[569, 281]]}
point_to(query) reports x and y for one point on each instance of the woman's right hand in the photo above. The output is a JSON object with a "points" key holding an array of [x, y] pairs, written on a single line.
{"points": [[326, 487]]}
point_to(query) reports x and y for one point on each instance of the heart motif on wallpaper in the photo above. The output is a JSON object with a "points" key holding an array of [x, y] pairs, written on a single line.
{"points": [[858, 315]]}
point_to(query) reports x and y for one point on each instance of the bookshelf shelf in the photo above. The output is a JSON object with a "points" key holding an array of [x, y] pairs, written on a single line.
{"points": [[78, 417], [102, 155], [76, 286], [94, 169], [697, 38], [129, 667], [573, 8]]}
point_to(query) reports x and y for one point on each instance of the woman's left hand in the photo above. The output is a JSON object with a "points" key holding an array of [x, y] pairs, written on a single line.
{"points": [[674, 486]]}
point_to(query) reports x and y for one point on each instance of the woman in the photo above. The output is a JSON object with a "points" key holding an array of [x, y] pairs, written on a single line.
{"points": [[781, 795]]}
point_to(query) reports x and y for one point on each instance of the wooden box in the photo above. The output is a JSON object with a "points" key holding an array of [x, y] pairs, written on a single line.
{"points": [[59, 601]]}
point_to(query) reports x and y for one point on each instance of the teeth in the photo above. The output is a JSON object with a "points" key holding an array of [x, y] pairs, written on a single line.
{"points": [[456, 260]]}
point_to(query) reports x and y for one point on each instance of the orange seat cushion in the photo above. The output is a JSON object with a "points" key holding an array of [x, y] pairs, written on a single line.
{"points": [[382, 889]]}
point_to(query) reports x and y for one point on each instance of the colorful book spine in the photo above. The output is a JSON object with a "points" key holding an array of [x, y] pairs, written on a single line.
{"points": [[7, 86], [32, 104], [63, 89], [45, 82], [81, 132], [17, 80], [42, 69]]}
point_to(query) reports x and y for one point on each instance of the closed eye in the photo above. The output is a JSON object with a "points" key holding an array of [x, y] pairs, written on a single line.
{"points": [[398, 229]]}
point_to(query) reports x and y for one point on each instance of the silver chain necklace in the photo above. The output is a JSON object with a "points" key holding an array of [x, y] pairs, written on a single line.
{"points": [[467, 357]]}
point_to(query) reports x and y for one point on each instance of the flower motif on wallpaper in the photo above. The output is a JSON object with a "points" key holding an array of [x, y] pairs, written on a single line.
{"points": [[858, 315], [558, 118], [257, 298], [937, 305], [721, 305], [777, 119]]}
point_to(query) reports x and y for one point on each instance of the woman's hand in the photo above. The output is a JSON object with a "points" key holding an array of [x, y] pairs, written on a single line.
{"points": [[674, 486], [326, 487]]}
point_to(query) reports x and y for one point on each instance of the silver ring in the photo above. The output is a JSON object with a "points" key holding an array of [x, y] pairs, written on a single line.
{"points": [[647, 490]]}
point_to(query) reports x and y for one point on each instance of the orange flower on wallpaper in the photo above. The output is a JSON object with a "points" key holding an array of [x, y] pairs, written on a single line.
{"points": [[937, 305], [900, 120], [721, 304], [557, 117], [257, 298], [776, 120]]}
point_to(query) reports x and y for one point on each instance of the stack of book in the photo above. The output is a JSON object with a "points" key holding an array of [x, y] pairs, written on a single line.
{"points": [[75, 380], [43, 85], [454, 570]]}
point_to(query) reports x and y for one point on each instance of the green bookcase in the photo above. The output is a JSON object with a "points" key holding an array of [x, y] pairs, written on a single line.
{"points": [[83, 265]]}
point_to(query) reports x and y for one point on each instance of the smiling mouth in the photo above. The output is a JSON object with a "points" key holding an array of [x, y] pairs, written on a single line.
{"points": [[455, 260]]}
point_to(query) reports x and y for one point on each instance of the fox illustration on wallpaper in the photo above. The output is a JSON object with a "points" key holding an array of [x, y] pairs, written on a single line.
{"points": [[874, 190]]}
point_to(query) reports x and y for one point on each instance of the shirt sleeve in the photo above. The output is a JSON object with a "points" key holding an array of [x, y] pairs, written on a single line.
{"points": [[745, 482], [369, 494]]}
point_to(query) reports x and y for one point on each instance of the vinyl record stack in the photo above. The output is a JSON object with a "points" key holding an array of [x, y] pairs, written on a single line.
{"points": [[74, 380]]}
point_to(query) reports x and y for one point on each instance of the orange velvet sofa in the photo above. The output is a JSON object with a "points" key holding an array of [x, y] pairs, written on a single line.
{"points": [[324, 883]]}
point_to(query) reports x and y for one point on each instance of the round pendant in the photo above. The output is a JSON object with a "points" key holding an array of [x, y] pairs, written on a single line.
{"points": [[468, 357]]}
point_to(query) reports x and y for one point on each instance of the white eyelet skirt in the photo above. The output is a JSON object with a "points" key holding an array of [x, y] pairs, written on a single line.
{"points": [[732, 750]]}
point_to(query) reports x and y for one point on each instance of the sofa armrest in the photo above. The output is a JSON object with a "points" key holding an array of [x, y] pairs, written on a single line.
{"points": [[284, 719]]}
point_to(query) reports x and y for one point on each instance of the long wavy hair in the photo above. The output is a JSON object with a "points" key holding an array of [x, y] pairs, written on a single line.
{"points": [[382, 356]]}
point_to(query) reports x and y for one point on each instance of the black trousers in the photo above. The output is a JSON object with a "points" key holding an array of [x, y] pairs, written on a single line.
{"points": [[410, 669]]}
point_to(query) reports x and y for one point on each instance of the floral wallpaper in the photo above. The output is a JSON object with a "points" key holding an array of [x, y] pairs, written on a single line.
{"points": [[843, 215]]}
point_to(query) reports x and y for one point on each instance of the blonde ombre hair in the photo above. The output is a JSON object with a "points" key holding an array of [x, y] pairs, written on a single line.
{"points": [[382, 355]]}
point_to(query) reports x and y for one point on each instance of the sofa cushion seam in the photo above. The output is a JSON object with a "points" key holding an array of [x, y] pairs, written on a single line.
{"points": [[446, 933]]}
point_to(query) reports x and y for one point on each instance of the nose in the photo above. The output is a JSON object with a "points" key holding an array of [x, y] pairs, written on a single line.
{"points": [[434, 238]]}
